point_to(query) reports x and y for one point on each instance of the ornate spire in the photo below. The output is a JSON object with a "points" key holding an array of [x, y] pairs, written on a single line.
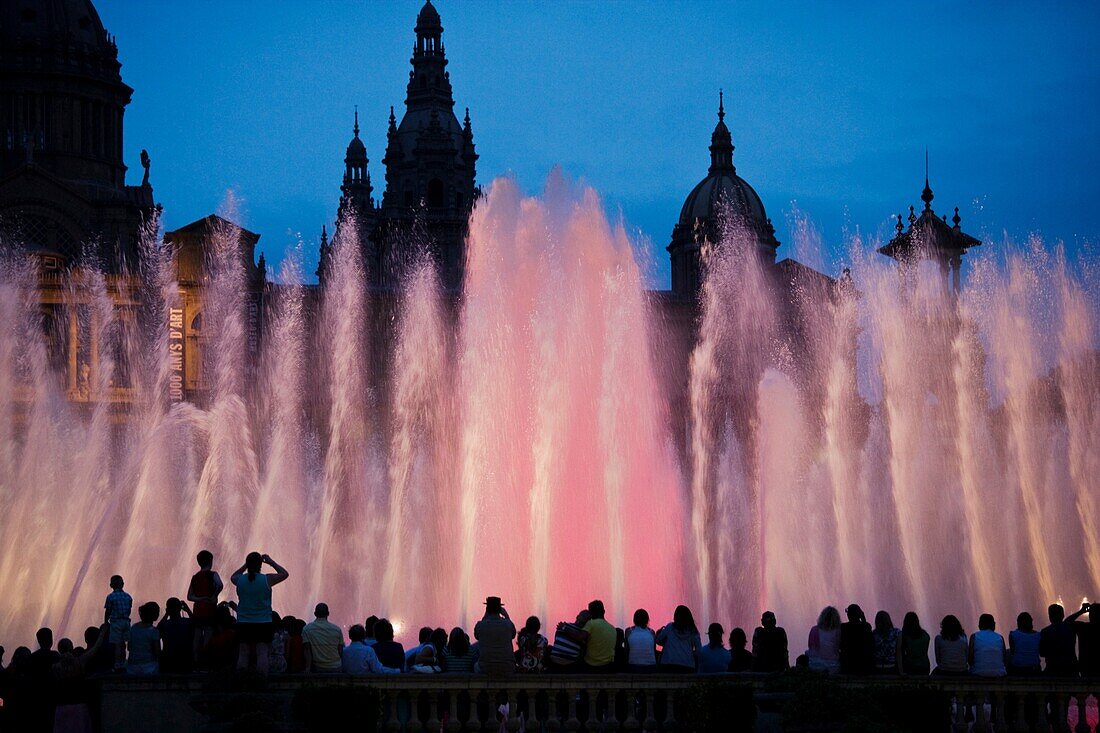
{"points": [[899, 225], [355, 129], [721, 142], [926, 195], [956, 219]]}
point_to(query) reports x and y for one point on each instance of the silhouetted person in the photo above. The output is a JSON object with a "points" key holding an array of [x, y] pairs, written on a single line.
{"points": [[679, 642], [40, 678], [1023, 648], [987, 651], [952, 649], [886, 644], [16, 688], [714, 657], [1088, 638], [44, 657], [641, 644], [177, 638], [531, 646], [600, 640], [567, 652], [144, 657], [421, 639], [206, 585], [254, 626], [116, 613], [823, 645], [103, 659], [857, 643], [913, 647], [220, 653], [323, 641], [740, 656], [368, 626], [769, 646], [357, 658], [73, 696], [458, 657], [390, 653], [295, 648], [494, 634], [1057, 642]]}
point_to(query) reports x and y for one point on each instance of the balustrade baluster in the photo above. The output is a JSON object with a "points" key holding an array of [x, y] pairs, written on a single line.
{"points": [[474, 721], [572, 722], [1082, 713], [1058, 715], [390, 703], [512, 699], [997, 701], [436, 711], [981, 718], [453, 725], [554, 721], [630, 722], [414, 725], [1024, 702], [960, 724], [670, 711], [649, 721], [532, 709]]}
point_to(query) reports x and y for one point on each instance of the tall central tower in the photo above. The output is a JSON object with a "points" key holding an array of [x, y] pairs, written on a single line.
{"points": [[430, 168]]}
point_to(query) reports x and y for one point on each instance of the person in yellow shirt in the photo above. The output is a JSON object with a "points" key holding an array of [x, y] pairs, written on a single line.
{"points": [[601, 637]]}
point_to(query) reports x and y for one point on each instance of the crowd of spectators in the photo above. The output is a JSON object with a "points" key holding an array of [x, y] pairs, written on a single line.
{"points": [[48, 688]]}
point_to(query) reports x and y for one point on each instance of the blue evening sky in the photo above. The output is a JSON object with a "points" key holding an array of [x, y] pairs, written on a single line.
{"points": [[831, 106]]}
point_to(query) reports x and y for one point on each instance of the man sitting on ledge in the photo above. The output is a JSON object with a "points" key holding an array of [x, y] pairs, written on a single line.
{"points": [[323, 642]]}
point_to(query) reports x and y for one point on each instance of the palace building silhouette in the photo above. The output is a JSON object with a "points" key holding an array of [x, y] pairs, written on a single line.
{"points": [[64, 196]]}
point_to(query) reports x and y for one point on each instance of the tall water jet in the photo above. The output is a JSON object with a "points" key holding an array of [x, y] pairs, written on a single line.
{"points": [[421, 453]]}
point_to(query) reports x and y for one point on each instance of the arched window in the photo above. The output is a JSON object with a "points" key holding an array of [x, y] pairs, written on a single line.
{"points": [[435, 193]]}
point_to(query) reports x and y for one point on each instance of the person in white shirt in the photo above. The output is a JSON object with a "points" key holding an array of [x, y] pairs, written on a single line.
{"points": [[358, 658]]}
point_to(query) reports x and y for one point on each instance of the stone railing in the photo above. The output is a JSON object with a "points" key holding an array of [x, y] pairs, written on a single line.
{"points": [[431, 703]]}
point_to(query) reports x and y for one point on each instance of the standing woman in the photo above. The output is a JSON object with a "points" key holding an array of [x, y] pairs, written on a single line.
{"points": [[679, 642], [254, 626]]}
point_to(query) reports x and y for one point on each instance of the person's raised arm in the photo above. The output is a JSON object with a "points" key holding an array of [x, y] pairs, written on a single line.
{"points": [[237, 573], [1077, 614], [88, 656], [280, 573]]}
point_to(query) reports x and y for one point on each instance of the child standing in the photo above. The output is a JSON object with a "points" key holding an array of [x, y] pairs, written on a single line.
{"points": [[203, 593], [116, 613]]}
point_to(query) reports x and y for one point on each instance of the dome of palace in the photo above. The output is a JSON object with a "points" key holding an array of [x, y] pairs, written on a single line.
{"points": [[724, 189], [56, 36]]}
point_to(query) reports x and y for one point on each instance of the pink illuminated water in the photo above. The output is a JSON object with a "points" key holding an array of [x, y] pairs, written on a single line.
{"points": [[554, 435]]}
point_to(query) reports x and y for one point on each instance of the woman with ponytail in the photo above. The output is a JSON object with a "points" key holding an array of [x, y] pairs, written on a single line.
{"points": [[254, 626]]}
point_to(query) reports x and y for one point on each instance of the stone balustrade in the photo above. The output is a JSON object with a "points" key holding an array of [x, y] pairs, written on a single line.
{"points": [[454, 704]]}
